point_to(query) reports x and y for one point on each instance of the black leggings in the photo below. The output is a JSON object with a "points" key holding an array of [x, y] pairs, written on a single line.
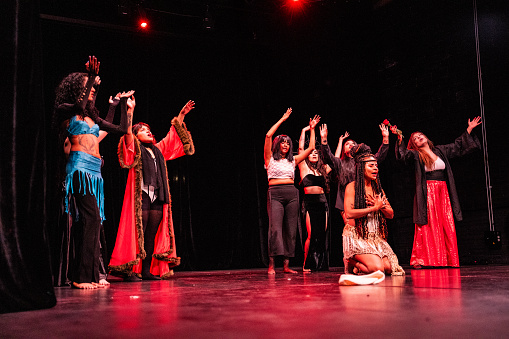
{"points": [[85, 237], [152, 214]]}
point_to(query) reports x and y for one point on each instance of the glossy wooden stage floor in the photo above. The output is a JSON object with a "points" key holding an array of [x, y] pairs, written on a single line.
{"points": [[470, 302]]}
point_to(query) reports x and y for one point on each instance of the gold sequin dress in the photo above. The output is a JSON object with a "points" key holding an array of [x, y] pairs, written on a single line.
{"points": [[353, 244]]}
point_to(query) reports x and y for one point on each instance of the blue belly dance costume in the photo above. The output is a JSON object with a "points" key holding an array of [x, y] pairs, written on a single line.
{"points": [[88, 167]]}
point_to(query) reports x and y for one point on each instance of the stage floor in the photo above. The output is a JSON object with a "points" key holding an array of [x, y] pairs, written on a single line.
{"points": [[469, 302]]}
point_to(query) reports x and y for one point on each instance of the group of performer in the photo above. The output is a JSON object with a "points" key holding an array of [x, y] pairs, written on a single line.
{"points": [[145, 243], [361, 200]]}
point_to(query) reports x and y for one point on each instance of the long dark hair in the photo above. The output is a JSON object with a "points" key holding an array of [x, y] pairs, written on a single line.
{"points": [[320, 167], [342, 156], [276, 149], [362, 154]]}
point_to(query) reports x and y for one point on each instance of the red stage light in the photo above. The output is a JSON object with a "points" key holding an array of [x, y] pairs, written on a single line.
{"points": [[295, 7], [143, 24]]}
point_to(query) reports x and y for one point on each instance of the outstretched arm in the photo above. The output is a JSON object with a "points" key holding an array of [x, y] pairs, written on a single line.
{"points": [[267, 148], [340, 144], [186, 109], [108, 126], [312, 124], [473, 123]]}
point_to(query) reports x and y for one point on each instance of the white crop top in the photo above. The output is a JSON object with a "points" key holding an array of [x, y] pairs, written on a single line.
{"points": [[281, 169], [438, 165]]}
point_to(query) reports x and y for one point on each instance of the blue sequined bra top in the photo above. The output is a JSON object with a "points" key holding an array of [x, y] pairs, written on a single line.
{"points": [[77, 127]]}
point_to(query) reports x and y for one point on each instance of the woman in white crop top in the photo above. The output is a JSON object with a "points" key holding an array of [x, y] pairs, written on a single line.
{"points": [[283, 196]]}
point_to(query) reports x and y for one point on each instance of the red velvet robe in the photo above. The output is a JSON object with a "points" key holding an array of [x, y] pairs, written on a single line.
{"points": [[129, 243]]}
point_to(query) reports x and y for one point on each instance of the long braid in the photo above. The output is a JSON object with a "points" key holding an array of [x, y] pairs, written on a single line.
{"points": [[382, 224], [361, 224]]}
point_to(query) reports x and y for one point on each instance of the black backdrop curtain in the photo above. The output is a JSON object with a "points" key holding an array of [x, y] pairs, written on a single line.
{"points": [[25, 274], [411, 62]]}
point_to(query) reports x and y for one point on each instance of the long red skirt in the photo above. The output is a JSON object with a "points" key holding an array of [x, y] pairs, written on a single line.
{"points": [[435, 243]]}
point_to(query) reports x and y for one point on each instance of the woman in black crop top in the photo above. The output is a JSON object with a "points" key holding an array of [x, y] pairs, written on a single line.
{"points": [[314, 179]]}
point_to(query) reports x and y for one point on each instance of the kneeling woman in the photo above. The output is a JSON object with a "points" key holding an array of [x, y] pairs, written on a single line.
{"points": [[365, 247]]}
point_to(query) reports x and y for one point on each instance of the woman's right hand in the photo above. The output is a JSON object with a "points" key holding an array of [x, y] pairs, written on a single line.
{"points": [[378, 202]]}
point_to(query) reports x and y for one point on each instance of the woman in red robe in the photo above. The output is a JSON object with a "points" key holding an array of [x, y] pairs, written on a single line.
{"points": [[145, 244]]}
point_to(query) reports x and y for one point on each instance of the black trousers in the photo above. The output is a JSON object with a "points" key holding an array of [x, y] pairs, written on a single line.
{"points": [[316, 206], [85, 234], [283, 210]]}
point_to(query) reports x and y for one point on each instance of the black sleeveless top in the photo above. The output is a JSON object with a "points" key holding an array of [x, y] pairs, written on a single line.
{"points": [[313, 180]]}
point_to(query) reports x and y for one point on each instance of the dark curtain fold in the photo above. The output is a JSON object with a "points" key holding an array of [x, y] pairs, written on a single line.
{"points": [[25, 279]]}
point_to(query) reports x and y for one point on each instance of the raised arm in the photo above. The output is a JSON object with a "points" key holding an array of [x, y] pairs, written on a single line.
{"points": [[473, 123], [267, 148], [465, 143], [312, 124], [302, 138], [110, 127], [340, 144], [402, 153], [186, 109], [111, 113], [131, 104]]}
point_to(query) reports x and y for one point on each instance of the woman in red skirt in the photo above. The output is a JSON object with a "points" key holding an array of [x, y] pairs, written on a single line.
{"points": [[436, 202]]}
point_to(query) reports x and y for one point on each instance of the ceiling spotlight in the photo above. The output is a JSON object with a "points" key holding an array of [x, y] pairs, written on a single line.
{"points": [[142, 18]]}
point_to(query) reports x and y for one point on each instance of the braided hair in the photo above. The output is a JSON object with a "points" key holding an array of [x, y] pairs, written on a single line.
{"points": [[362, 154]]}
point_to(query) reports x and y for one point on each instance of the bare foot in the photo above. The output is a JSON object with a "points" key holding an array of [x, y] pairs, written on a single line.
{"points": [[84, 286], [98, 285], [286, 267], [104, 282], [271, 266], [306, 270]]}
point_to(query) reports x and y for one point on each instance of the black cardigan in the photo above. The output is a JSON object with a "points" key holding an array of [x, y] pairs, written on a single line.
{"points": [[337, 166], [465, 144]]}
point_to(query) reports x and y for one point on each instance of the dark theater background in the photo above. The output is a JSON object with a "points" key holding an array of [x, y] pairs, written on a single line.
{"points": [[355, 63]]}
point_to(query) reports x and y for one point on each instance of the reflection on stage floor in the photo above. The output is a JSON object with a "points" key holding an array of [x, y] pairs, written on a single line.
{"points": [[462, 302]]}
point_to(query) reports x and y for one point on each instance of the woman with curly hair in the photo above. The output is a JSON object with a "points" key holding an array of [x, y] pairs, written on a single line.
{"points": [[436, 201], [74, 111], [365, 247], [315, 180], [283, 196]]}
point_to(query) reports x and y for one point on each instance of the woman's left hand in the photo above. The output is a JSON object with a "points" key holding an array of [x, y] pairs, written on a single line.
{"points": [[313, 122], [92, 65], [473, 123], [187, 107]]}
